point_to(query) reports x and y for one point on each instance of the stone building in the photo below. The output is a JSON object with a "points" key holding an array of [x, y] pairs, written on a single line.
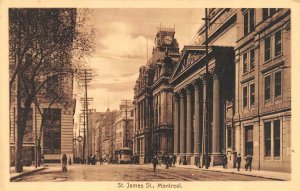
{"points": [[263, 88], [152, 98], [123, 127], [107, 135]]}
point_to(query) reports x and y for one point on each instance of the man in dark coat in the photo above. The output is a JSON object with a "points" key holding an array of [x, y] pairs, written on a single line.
{"points": [[248, 162], [225, 160], [238, 162], [64, 161], [154, 162]]}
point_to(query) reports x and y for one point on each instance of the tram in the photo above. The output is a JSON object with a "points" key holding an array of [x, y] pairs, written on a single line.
{"points": [[124, 155]]}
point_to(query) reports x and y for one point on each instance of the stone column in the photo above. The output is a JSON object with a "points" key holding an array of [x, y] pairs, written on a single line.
{"points": [[176, 129], [216, 115], [182, 125], [205, 128], [188, 122], [197, 118]]}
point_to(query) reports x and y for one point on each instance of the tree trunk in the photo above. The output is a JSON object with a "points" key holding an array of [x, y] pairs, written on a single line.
{"points": [[19, 148]]}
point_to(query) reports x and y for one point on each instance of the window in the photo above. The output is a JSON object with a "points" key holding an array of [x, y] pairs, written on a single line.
{"points": [[268, 12], [267, 88], [252, 59], [249, 22], [245, 63], [245, 96], [268, 48], [276, 138], [249, 140], [277, 84], [28, 136], [252, 94], [229, 137], [278, 43], [246, 19], [267, 137], [52, 131]]}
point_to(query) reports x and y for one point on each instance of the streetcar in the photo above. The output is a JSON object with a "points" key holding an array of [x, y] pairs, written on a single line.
{"points": [[124, 155]]}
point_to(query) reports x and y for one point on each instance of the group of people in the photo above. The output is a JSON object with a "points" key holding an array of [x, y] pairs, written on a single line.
{"points": [[248, 164], [135, 159], [167, 160]]}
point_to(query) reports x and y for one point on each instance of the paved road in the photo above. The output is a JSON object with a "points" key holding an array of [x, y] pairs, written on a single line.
{"points": [[131, 173]]}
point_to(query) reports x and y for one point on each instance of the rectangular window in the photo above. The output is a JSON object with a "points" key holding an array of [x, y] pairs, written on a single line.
{"points": [[28, 135], [277, 84], [52, 131], [265, 13], [252, 19], [245, 63], [267, 48], [252, 59], [278, 43], [267, 88], [246, 23], [276, 138], [245, 96], [249, 140], [229, 137], [267, 137], [252, 94]]}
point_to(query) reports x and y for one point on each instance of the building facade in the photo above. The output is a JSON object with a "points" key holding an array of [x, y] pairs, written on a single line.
{"points": [[263, 88], [124, 126], [152, 99]]}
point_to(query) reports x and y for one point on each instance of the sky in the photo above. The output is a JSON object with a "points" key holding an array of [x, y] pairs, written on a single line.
{"points": [[121, 48]]}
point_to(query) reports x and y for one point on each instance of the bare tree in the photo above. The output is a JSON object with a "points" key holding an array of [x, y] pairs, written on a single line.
{"points": [[48, 47]]}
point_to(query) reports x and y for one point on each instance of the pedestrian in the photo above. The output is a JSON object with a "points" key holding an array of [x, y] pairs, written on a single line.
{"points": [[225, 161], [154, 162], [248, 162], [174, 159], [70, 161], [64, 163], [238, 161], [196, 160], [167, 158]]}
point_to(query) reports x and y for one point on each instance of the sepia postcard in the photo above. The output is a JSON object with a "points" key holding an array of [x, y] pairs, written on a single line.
{"points": [[149, 95]]}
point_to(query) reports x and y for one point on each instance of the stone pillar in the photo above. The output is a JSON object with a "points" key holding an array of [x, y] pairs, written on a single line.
{"points": [[205, 128], [197, 119], [182, 125], [176, 129], [216, 115], [188, 124]]}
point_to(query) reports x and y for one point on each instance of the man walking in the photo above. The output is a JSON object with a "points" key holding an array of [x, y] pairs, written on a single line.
{"points": [[225, 161], [154, 162], [248, 162], [238, 162]]}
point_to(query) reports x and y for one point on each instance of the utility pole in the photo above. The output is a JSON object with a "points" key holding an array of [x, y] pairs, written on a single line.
{"points": [[207, 101], [85, 78]]}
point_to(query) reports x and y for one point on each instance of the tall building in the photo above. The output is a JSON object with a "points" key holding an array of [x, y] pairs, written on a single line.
{"points": [[262, 119], [153, 98], [123, 127], [107, 135]]}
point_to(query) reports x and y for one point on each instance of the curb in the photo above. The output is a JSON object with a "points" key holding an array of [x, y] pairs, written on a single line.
{"points": [[253, 175], [26, 173]]}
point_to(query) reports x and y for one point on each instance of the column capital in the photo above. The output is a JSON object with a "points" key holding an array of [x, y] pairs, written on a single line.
{"points": [[216, 72], [176, 96], [196, 83], [181, 93], [205, 77], [187, 89]]}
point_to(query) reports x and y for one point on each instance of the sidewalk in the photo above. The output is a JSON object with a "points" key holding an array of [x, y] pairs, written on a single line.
{"points": [[257, 173], [26, 171]]}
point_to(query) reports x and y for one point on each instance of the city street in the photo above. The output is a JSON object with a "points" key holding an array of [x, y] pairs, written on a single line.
{"points": [[131, 173]]}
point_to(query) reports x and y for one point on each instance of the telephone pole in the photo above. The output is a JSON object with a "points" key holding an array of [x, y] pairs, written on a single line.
{"points": [[126, 102], [85, 78], [207, 99]]}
